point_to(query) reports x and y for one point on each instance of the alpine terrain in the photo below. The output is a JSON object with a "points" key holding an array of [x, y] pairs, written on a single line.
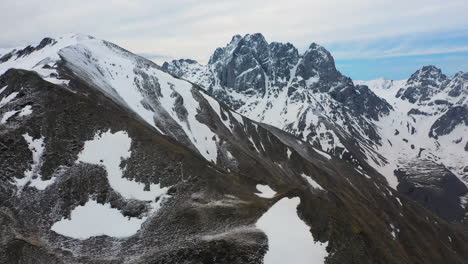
{"points": [[264, 155], [414, 132]]}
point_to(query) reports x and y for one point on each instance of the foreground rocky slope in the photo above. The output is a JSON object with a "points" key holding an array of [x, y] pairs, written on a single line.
{"points": [[90, 131], [403, 128]]}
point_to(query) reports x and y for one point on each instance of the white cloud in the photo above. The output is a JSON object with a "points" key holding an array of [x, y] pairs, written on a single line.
{"points": [[190, 28], [396, 52]]}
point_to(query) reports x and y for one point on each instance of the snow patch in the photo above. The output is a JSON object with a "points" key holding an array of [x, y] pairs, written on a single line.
{"points": [[8, 98], [464, 201], [95, 219], [289, 153], [311, 181], [7, 115], [289, 238], [265, 191], [394, 231], [27, 110], [3, 89], [399, 201]]}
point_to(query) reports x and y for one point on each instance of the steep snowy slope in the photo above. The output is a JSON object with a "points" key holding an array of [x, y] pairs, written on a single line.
{"points": [[364, 123], [106, 158], [431, 110], [427, 134]]}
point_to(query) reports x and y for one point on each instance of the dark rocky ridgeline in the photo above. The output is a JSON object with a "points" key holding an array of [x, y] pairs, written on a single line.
{"points": [[211, 213], [435, 187]]}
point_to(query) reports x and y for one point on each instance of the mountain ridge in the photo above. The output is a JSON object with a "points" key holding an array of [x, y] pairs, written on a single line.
{"points": [[364, 115], [154, 167]]}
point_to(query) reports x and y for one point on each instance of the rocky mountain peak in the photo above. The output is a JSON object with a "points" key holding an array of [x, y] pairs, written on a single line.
{"points": [[318, 62], [461, 74], [249, 44], [321, 52], [256, 38], [252, 67], [235, 38], [423, 84], [427, 75]]}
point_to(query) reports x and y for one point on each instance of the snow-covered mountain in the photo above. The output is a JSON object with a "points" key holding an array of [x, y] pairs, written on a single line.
{"points": [[427, 136], [107, 158], [389, 125], [302, 94]]}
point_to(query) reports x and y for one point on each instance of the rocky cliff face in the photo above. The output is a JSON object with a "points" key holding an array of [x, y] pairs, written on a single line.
{"points": [[107, 158], [378, 128]]}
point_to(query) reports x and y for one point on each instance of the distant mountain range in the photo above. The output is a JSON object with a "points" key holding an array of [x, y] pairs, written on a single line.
{"points": [[414, 132]]}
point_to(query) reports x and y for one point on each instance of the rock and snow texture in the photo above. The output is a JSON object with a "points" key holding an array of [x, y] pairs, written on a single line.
{"points": [[97, 145], [429, 121], [147, 90], [42, 58], [92, 219], [289, 238], [32, 176], [386, 121], [109, 150], [7, 116], [8, 98], [426, 138], [95, 219], [27, 110], [312, 182], [402, 128]]}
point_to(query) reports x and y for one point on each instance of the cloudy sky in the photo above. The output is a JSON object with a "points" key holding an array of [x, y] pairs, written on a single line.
{"points": [[368, 38]]}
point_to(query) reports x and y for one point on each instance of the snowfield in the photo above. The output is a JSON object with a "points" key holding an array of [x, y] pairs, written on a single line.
{"points": [[289, 238], [95, 219], [265, 191]]}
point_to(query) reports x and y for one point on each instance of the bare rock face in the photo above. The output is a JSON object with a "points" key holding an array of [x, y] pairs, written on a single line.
{"points": [[94, 131], [435, 187], [445, 124]]}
